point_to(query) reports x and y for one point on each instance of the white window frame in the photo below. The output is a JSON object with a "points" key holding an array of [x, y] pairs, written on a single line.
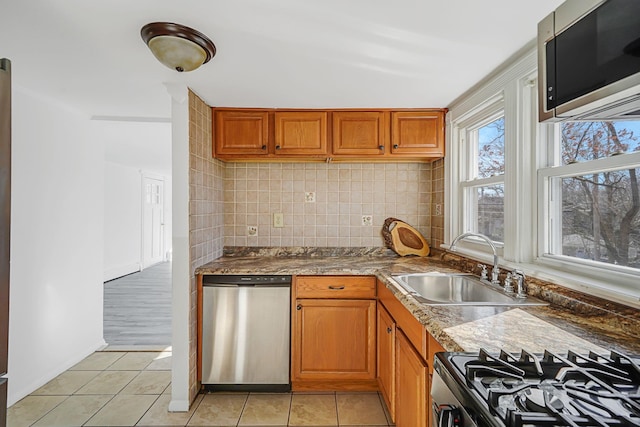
{"points": [[527, 151], [469, 181], [606, 277]]}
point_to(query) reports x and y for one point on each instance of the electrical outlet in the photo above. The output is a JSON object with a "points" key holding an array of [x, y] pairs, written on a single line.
{"points": [[310, 196], [367, 220], [278, 220], [252, 230], [438, 209]]}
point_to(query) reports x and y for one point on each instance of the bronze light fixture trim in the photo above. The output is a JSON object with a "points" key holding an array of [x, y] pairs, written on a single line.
{"points": [[178, 47]]}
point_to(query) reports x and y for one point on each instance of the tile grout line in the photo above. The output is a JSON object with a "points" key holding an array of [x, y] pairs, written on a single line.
{"points": [[244, 406], [335, 397], [148, 409], [98, 410], [67, 396]]}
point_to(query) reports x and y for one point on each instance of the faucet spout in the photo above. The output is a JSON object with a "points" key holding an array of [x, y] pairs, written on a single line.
{"points": [[496, 270]]}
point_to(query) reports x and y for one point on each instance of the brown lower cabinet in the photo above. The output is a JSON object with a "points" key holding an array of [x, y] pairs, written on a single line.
{"points": [[334, 333], [405, 353], [387, 358], [412, 382]]}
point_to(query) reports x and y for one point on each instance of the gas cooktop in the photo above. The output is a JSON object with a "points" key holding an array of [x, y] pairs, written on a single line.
{"points": [[544, 389]]}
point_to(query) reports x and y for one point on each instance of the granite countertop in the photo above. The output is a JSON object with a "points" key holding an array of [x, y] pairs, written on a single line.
{"points": [[555, 327]]}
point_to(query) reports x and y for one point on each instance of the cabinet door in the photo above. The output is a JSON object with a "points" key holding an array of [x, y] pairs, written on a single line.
{"points": [[387, 358], [411, 385], [241, 132], [301, 133], [359, 133], [334, 340], [419, 133], [434, 347]]}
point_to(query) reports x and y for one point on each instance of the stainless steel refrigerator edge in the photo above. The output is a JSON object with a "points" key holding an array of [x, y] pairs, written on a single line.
{"points": [[5, 226], [246, 332]]}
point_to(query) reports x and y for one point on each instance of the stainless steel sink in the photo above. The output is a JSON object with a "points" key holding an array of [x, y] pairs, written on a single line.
{"points": [[458, 289]]}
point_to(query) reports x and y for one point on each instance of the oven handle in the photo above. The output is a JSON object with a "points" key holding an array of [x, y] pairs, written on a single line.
{"points": [[449, 416]]}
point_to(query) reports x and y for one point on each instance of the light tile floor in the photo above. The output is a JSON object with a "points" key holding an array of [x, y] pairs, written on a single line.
{"points": [[131, 388]]}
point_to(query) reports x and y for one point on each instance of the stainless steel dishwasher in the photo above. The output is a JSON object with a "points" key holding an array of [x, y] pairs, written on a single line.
{"points": [[245, 332]]}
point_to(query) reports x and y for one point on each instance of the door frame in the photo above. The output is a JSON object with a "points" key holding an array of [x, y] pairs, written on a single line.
{"points": [[143, 244]]}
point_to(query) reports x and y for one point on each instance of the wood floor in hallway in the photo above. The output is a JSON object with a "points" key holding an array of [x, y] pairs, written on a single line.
{"points": [[137, 308]]}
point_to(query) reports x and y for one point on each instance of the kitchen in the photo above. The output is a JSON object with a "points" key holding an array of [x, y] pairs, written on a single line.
{"points": [[204, 251]]}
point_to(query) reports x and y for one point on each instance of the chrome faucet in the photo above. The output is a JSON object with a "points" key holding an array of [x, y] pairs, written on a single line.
{"points": [[495, 271], [521, 289]]}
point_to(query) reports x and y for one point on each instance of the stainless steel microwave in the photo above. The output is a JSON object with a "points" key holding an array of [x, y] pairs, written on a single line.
{"points": [[589, 61]]}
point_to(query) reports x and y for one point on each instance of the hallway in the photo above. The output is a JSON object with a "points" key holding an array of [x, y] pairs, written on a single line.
{"points": [[137, 308]]}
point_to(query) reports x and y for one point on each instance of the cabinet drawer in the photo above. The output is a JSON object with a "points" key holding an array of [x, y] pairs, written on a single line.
{"points": [[358, 287]]}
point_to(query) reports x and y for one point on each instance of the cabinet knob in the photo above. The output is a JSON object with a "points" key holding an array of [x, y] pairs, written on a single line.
{"points": [[277, 147], [395, 146], [381, 147], [336, 288], [298, 307], [264, 147], [388, 330]]}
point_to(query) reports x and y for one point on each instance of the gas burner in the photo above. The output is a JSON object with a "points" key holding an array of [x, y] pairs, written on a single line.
{"points": [[553, 390]]}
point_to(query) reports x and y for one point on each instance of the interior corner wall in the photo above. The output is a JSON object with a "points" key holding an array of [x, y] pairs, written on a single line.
{"points": [[56, 298], [122, 220]]}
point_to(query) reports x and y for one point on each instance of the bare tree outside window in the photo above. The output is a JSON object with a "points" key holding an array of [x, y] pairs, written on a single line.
{"points": [[601, 210], [491, 149], [490, 198]]}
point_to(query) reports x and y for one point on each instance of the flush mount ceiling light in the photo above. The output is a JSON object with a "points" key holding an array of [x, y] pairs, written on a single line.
{"points": [[176, 46]]}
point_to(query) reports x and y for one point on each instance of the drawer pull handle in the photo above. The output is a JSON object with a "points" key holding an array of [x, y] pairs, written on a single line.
{"points": [[336, 288], [388, 330], [298, 307]]}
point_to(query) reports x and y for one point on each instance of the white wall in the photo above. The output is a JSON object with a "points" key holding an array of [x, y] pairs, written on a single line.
{"points": [[56, 242], [122, 220]]}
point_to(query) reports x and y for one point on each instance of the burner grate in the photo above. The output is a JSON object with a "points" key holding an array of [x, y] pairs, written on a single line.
{"points": [[551, 390]]}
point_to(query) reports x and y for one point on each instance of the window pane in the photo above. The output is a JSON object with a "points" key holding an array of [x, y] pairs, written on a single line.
{"points": [[489, 202], [601, 217], [491, 149], [582, 141]]}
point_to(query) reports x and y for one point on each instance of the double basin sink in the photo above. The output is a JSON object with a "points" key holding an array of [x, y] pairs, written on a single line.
{"points": [[458, 289]]}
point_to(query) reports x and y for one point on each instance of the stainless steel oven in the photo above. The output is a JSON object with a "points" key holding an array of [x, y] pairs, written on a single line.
{"points": [[447, 409]]}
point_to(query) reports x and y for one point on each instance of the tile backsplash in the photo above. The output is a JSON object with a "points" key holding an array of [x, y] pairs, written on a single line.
{"points": [[437, 203], [323, 204]]}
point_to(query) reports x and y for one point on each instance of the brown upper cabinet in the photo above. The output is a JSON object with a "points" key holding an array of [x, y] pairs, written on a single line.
{"points": [[301, 133], [417, 133], [241, 132], [318, 135], [360, 133]]}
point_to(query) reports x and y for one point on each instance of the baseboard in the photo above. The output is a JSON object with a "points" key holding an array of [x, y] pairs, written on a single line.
{"points": [[335, 385], [119, 271], [179, 406]]}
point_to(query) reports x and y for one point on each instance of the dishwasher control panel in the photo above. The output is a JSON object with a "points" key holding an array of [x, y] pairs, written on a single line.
{"points": [[221, 279]]}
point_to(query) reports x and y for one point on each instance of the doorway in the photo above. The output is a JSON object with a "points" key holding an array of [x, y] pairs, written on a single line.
{"points": [[137, 232], [152, 221]]}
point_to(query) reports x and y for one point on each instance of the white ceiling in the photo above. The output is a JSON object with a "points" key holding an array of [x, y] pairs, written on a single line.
{"points": [[271, 53]]}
